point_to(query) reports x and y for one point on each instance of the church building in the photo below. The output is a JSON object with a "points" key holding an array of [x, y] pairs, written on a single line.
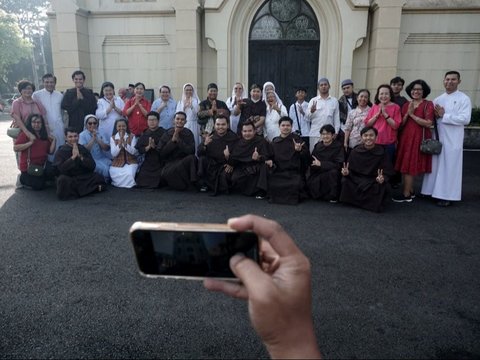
{"points": [[289, 42]]}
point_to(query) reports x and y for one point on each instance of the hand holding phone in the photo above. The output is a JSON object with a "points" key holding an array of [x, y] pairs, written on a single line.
{"points": [[278, 291], [189, 251]]}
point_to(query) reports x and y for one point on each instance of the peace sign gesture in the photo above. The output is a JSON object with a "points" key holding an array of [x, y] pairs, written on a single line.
{"points": [[255, 155], [314, 107], [345, 170], [316, 162], [380, 179], [298, 146]]}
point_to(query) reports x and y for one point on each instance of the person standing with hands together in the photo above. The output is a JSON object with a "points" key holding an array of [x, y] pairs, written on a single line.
{"points": [[278, 290], [386, 117], [78, 102], [136, 109], [453, 110]]}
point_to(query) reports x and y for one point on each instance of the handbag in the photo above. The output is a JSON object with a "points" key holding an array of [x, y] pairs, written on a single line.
{"points": [[13, 132], [32, 169], [431, 146]]}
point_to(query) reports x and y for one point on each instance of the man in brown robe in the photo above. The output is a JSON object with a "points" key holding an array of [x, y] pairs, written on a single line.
{"points": [[286, 180], [214, 155], [76, 167], [248, 160], [365, 176], [327, 158], [177, 150], [150, 171]]}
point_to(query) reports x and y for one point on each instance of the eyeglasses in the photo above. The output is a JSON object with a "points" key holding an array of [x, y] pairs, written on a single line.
{"points": [[92, 123]]}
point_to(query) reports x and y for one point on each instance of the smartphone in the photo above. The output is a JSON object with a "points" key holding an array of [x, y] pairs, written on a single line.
{"points": [[189, 250]]}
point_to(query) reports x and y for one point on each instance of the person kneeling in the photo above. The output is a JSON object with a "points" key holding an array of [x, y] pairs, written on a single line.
{"points": [[248, 159], [34, 151], [286, 183], [76, 167], [177, 150], [365, 176], [214, 156], [328, 156], [124, 163], [149, 174]]}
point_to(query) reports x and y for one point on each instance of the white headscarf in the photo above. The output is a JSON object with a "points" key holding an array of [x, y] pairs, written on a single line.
{"points": [[195, 99], [231, 100], [264, 93], [85, 119]]}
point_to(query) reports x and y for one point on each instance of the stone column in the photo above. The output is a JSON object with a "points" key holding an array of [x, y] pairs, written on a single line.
{"points": [[188, 43], [70, 46], [385, 23]]}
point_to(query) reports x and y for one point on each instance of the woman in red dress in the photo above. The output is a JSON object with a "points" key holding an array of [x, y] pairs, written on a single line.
{"points": [[417, 117]]}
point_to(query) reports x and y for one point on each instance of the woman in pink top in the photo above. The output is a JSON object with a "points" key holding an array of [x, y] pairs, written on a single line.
{"points": [[386, 117], [24, 106]]}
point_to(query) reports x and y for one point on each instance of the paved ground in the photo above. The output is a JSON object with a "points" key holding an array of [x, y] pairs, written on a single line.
{"points": [[402, 284]]}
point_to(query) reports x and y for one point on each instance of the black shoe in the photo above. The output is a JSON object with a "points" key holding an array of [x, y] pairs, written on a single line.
{"points": [[412, 194], [261, 195], [204, 188], [443, 203], [402, 198]]}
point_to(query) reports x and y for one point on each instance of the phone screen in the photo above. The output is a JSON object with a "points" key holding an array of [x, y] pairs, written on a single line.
{"points": [[191, 253]]}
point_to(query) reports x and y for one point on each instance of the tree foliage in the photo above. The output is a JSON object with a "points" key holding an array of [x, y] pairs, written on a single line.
{"points": [[30, 15], [14, 47]]}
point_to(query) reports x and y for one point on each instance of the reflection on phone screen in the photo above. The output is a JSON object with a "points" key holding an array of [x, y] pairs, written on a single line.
{"points": [[188, 253]]}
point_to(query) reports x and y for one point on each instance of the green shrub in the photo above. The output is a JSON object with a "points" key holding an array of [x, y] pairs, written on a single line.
{"points": [[475, 119]]}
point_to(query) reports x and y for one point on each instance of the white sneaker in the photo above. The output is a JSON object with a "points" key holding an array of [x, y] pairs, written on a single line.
{"points": [[18, 184]]}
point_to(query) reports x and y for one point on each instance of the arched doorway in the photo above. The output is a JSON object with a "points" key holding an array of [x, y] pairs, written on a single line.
{"points": [[284, 42]]}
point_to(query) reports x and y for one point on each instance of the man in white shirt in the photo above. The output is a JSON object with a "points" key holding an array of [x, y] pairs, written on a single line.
{"points": [[453, 110], [322, 110], [297, 113], [52, 101]]}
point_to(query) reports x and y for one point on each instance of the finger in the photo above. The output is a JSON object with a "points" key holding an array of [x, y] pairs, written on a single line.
{"points": [[315, 158], [344, 165], [256, 150], [229, 288], [226, 147], [267, 229], [303, 143], [348, 164], [249, 273]]}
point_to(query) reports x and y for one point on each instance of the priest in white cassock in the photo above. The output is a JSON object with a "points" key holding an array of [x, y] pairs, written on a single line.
{"points": [[51, 100], [453, 110]]}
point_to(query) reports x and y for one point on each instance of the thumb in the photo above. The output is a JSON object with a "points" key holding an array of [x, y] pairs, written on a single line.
{"points": [[256, 150], [226, 147], [249, 273]]}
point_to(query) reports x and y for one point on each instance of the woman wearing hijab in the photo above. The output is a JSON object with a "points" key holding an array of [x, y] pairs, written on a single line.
{"points": [[267, 87], [190, 105], [239, 96], [97, 144]]}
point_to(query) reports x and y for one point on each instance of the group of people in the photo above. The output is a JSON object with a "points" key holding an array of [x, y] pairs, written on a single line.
{"points": [[345, 150]]}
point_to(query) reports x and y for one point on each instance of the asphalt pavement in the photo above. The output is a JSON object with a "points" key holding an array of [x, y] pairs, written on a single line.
{"points": [[401, 284]]}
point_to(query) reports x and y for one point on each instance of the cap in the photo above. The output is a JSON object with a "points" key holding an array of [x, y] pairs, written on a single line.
{"points": [[323, 80], [347, 82]]}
